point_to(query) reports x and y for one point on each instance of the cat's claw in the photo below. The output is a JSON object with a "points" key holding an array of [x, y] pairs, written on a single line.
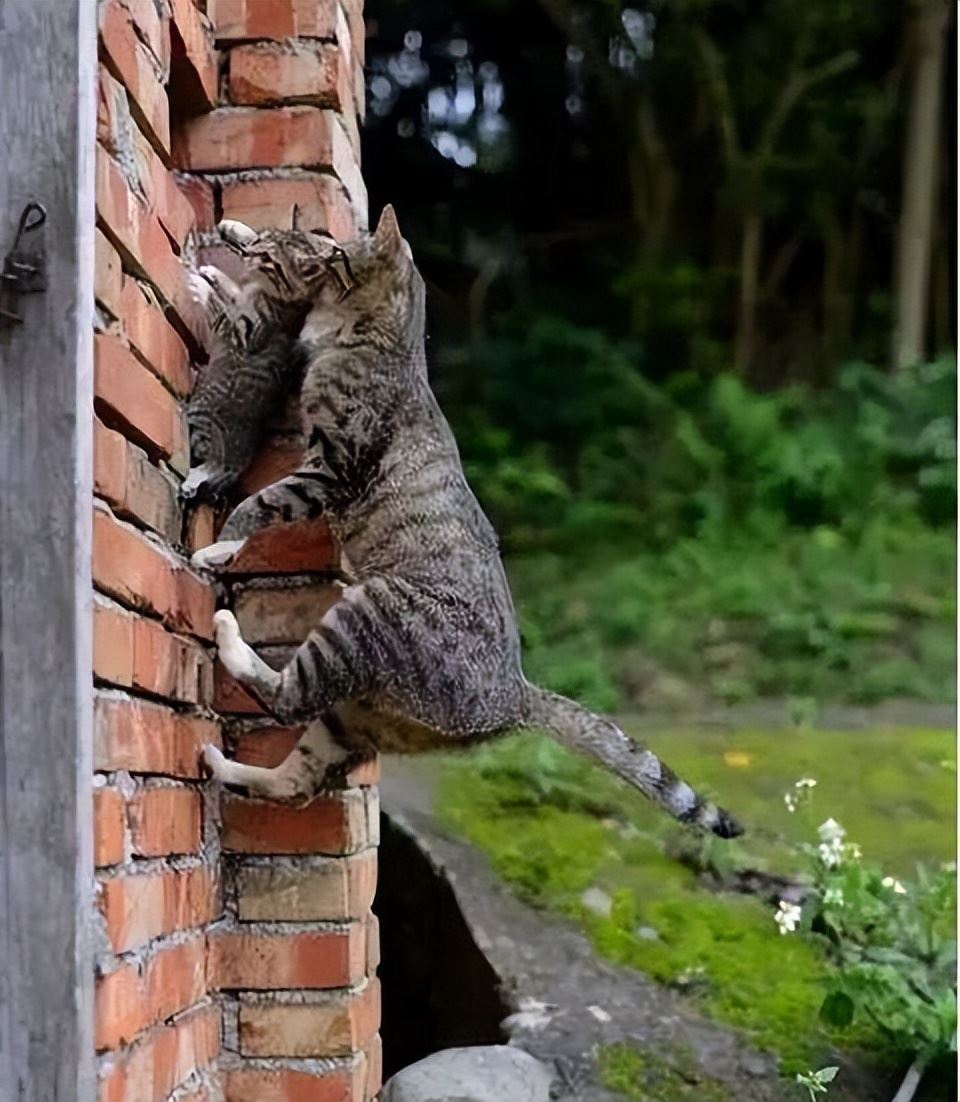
{"points": [[216, 555]]}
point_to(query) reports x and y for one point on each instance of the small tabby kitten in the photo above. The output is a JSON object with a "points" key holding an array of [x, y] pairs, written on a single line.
{"points": [[422, 649], [255, 357]]}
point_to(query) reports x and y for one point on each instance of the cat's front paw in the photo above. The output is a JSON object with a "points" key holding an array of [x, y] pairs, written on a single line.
{"points": [[216, 762], [216, 555]]}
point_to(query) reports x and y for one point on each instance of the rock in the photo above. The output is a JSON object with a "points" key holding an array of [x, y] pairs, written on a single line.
{"points": [[598, 901], [490, 1073]]}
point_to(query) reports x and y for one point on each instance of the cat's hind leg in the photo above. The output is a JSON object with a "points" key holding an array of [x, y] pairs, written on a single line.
{"points": [[346, 656], [317, 762]]}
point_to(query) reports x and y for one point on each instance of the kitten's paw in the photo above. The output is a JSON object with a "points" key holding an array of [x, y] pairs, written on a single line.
{"points": [[217, 554], [236, 233], [232, 651]]}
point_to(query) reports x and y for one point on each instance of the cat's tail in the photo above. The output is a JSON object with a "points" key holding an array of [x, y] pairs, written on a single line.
{"points": [[581, 730]]}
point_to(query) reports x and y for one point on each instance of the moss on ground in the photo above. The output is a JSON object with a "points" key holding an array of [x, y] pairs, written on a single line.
{"points": [[554, 826], [644, 1077]]}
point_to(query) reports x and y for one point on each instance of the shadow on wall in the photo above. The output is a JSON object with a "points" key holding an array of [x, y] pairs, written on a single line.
{"points": [[439, 990]]}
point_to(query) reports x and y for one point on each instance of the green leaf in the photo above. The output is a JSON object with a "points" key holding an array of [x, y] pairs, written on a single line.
{"points": [[837, 1009]]}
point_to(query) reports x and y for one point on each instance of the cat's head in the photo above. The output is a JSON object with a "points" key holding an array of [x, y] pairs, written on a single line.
{"points": [[379, 290], [289, 266]]}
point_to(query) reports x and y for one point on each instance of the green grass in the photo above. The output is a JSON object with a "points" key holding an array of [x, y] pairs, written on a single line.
{"points": [[554, 826], [648, 1078]]}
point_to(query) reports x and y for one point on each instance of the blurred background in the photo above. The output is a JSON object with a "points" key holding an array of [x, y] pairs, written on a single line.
{"points": [[692, 301]]}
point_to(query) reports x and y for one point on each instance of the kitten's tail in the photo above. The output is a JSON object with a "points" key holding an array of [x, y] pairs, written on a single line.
{"points": [[581, 730]]}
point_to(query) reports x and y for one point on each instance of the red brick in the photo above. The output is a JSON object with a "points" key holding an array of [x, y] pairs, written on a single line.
{"points": [[124, 476], [108, 822], [153, 337], [239, 959], [244, 137], [291, 1085], [277, 457], [162, 194], [137, 401], [374, 1069], [165, 820], [372, 960], [335, 889], [141, 74], [282, 615], [152, 26], [201, 527], [340, 1027], [265, 73], [230, 697], [150, 1070], [143, 737], [199, 194], [112, 645], [140, 573], [137, 909], [269, 746], [277, 19], [166, 665], [194, 77], [303, 547], [136, 233], [108, 275], [334, 823], [134, 997], [322, 203]]}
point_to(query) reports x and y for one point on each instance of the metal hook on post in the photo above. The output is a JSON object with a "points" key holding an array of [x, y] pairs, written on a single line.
{"points": [[25, 265]]}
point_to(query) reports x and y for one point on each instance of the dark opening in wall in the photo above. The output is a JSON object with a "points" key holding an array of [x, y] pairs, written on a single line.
{"points": [[439, 990]]}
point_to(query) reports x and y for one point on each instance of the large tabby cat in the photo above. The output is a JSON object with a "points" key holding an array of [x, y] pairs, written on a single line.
{"points": [[422, 648]]}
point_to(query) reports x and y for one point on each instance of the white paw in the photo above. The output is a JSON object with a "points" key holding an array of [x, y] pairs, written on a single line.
{"points": [[216, 762], [237, 233], [217, 554], [232, 651]]}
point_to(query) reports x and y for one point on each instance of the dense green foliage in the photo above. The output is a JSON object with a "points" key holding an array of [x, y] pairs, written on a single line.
{"points": [[798, 543]]}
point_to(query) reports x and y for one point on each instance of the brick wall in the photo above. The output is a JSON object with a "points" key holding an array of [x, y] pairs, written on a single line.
{"points": [[237, 951]]}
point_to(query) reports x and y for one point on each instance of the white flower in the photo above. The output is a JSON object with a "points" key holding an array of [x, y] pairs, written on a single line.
{"points": [[853, 851], [831, 831], [833, 897], [832, 853], [806, 782], [787, 917], [898, 888], [791, 801]]}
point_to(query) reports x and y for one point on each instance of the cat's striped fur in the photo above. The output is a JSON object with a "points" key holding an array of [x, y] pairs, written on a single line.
{"points": [[422, 649]]}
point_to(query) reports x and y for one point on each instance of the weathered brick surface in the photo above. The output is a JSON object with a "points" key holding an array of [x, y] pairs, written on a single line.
{"points": [[108, 826], [323, 204], [334, 823], [136, 488], [285, 1084], [142, 737], [271, 959], [138, 908], [164, 821], [233, 138], [186, 135], [338, 1026], [131, 397], [140, 573], [265, 73], [140, 994], [335, 889], [141, 73], [277, 19], [156, 1064]]}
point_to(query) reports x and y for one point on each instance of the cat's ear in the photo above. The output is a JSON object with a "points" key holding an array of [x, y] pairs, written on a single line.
{"points": [[387, 235]]}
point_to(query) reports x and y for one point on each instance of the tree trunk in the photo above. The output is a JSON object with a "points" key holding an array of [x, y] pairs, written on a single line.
{"points": [[751, 250], [914, 238]]}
